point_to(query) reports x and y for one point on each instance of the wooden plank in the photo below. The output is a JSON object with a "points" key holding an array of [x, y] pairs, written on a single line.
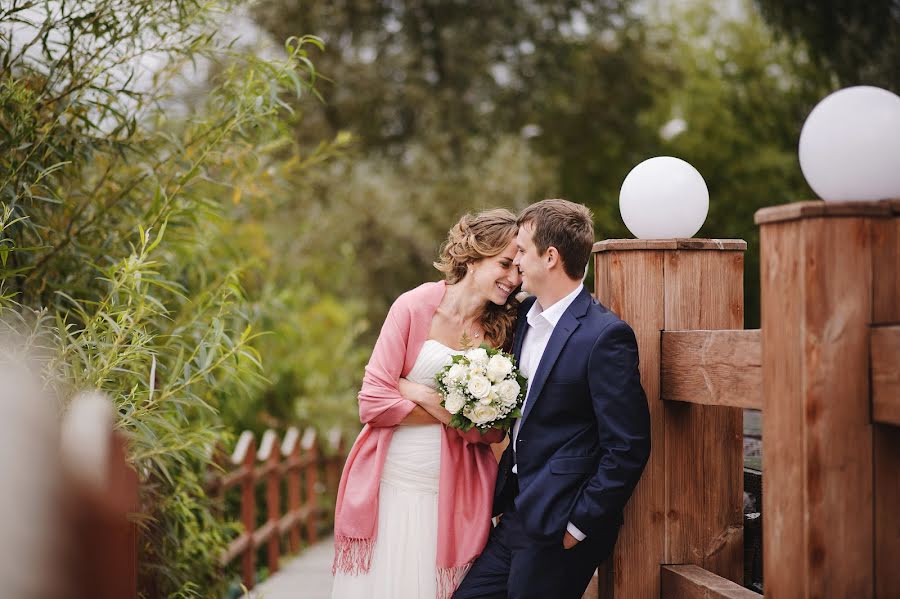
{"points": [[693, 582], [691, 243], [717, 368], [885, 352], [248, 508], [887, 520], [816, 305], [837, 406], [265, 533], [311, 479], [634, 290], [235, 548], [819, 208], [290, 450], [782, 291], [704, 449], [234, 478], [886, 270], [271, 453]]}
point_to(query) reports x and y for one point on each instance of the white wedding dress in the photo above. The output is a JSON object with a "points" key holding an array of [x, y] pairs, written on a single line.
{"points": [[403, 561]]}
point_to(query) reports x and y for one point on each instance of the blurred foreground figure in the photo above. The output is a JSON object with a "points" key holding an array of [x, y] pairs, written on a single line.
{"points": [[66, 495], [30, 479]]}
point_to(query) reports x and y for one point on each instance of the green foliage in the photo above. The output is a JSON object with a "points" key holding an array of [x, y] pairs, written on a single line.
{"points": [[742, 97], [467, 105], [859, 41], [143, 230]]}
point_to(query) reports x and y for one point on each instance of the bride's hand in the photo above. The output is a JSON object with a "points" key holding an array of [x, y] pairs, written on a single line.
{"points": [[418, 393], [425, 397]]}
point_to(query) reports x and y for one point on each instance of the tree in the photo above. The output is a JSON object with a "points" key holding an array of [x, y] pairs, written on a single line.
{"points": [[125, 221], [457, 106], [858, 41], [740, 103]]}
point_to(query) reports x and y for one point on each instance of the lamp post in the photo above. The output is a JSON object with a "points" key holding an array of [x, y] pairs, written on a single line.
{"points": [[664, 198], [850, 145]]}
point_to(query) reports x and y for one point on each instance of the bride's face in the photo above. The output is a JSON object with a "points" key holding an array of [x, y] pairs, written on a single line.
{"points": [[496, 277]]}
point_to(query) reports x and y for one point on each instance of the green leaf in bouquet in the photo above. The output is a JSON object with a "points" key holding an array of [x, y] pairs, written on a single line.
{"points": [[461, 422]]}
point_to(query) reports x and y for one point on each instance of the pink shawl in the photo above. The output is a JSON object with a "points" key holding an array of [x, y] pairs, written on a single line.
{"points": [[468, 467]]}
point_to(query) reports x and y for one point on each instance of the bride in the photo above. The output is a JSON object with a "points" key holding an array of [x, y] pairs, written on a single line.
{"points": [[414, 503]]}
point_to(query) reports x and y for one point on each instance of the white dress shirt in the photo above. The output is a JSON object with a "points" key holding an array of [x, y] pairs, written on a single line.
{"points": [[541, 322]]}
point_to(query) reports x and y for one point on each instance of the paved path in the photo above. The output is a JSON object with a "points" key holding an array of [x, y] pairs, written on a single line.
{"points": [[307, 576]]}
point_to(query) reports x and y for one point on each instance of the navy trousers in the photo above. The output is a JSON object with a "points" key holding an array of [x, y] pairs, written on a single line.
{"points": [[514, 566]]}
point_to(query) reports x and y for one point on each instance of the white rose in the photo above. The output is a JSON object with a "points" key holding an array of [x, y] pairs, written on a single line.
{"points": [[457, 373], [491, 397], [477, 356], [454, 402], [508, 391], [498, 368], [479, 386], [482, 414]]}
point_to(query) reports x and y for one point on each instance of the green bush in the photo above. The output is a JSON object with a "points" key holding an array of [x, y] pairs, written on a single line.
{"points": [[142, 233]]}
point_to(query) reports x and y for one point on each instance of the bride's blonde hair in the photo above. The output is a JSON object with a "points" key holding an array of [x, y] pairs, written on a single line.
{"points": [[476, 237]]}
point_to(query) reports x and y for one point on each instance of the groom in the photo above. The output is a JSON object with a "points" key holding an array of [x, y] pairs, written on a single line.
{"points": [[581, 444]]}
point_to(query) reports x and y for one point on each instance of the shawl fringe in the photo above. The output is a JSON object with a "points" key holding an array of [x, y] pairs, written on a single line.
{"points": [[449, 578], [352, 556]]}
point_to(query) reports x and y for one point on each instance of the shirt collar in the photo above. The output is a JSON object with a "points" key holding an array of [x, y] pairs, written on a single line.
{"points": [[537, 315]]}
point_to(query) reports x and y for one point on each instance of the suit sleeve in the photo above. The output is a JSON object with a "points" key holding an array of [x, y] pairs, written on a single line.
{"points": [[623, 423], [380, 402]]}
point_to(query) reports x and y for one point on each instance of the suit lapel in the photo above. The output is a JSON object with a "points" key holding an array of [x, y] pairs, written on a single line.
{"points": [[521, 328], [561, 333]]}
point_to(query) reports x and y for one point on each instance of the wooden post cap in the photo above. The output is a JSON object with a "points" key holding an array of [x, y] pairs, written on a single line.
{"points": [[608, 245], [821, 208]]}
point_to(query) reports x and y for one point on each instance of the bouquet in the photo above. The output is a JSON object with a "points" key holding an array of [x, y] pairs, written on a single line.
{"points": [[482, 388]]}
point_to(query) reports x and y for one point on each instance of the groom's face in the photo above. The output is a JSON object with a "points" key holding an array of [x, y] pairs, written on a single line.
{"points": [[529, 263]]}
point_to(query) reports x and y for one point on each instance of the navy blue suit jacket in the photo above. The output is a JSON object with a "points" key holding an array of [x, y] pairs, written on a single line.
{"points": [[585, 433]]}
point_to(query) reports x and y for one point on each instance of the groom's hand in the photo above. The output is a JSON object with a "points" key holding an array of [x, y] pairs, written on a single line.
{"points": [[569, 541]]}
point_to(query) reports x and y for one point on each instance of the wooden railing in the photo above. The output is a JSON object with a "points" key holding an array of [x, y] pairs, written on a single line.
{"points": [[299, 470], [824, 370]]}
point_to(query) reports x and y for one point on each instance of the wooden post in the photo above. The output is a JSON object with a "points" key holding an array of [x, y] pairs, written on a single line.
{"points": [[291, 452], [817, 305], [333, 465], [246, 448], [687, 506], [886, 311], [270, 454], [311, 476]]}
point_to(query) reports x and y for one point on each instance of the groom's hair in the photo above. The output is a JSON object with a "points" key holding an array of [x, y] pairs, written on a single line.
{"points": [[567, 226]]}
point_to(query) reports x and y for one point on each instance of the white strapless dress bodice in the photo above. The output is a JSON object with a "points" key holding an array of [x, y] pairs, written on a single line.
{"points": [[405, 554]]}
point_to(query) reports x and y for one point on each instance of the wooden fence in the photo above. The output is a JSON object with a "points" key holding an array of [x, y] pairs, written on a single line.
{"points": [[295, 473], [825, 370]]}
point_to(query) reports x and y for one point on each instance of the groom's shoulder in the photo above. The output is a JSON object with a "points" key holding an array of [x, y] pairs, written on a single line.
{"points": [[525, 305], [602, 317]]}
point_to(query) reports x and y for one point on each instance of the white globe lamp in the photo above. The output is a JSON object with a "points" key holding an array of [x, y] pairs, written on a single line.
{"points": [[664, 198], [850, 145]]}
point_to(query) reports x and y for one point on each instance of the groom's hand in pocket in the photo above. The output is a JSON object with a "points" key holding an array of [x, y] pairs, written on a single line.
{"points": [[569, 541]]}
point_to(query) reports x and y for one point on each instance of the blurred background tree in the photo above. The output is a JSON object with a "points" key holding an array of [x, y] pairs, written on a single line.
{"points": [[858, 41], [467, 105], [545, 99]]}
